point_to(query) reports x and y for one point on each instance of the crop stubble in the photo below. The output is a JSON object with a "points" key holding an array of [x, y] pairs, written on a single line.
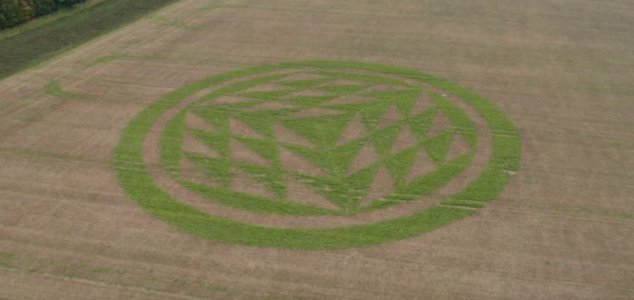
{"points": [[562, 227]]}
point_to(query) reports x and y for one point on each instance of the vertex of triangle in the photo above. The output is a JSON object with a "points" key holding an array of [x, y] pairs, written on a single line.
{"points": [[404, 140], [240, 152], [195, 122], [286, 136], [366, 157], [238, 127], [294, 162], [193, 145], [422, 104], [353, 131], [458, 147], [439, 125], [382, 185], [391, 116], [422, 165]]}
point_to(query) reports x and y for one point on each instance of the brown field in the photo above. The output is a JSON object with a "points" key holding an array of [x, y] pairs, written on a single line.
{"points": [[562, 71]]}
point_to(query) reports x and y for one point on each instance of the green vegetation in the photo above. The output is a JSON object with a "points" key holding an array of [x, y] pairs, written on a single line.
{"points": [[14, 12], [42, 42], [54, 89], [138, 183]]}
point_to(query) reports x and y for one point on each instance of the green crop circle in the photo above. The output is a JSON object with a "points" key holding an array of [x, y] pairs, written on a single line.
{"points": [[139, 185]]}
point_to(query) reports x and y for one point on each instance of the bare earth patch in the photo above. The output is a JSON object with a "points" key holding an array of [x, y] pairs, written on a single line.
{"points": [[355, 130], [292, 161], [366, 157], [286, 136], [381, 186]]}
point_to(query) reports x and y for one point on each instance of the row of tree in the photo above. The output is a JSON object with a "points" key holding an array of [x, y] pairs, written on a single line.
{"points": [[14, 12]]}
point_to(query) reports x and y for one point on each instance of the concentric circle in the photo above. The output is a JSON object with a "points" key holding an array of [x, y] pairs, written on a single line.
{"points": [[316, 155]]}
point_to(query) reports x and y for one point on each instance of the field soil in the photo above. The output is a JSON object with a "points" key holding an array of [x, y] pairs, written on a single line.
{"points": [[562, 229]]}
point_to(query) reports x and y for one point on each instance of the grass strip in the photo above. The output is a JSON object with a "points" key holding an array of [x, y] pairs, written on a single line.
{"points": [[37, 44]]}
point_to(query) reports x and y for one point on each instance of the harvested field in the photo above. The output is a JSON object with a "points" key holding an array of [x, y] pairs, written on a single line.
{"points": [[308, 149]]}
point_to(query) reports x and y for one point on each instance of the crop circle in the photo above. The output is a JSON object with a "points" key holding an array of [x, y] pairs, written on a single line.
{"points": [[368, 153]]}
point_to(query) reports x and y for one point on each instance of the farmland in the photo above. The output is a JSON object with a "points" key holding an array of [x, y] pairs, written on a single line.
{"points": [[322, 149]]}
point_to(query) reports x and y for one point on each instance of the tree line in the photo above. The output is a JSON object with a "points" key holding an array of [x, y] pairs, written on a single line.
{"points": [[14, 12]]}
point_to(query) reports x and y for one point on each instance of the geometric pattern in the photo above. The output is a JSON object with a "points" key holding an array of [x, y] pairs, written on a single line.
{"points": [[317, 138], [322, 140]]}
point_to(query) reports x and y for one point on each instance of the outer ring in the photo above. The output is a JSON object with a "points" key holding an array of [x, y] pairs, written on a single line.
{"points": [[138, 183]]}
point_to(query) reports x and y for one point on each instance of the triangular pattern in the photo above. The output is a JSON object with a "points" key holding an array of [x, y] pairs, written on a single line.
{"points": [[391, 116], [217, 116], [404, 140], [303, 193], [240, 152], [237, 127], [193, 145], [398, 164], [421, 122], [355, 130], [437, 146], [422, 104], [245, 183], [372, 113], [422, 165], [384, 138], [404, 100], [322, 130], [458, 147], [294, 162], [260, 121], [344, 155], [382, 185], [217, 142], [286, 136], [320, 141], [366, 157], [196, 122], [439, 125]]}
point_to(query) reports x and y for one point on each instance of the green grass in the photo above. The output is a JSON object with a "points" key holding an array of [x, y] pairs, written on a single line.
{"points": [[138, 183], [54, 89], [43, 40], [46, 19]]}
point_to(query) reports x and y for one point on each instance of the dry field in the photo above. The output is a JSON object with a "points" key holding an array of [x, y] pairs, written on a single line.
{"points": [[563, 228]]}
